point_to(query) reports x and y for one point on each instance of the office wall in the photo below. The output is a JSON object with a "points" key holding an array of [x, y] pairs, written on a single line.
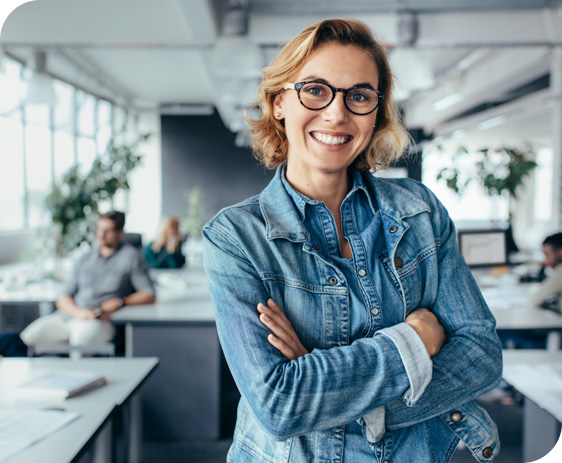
{"points": [[199, 151]]}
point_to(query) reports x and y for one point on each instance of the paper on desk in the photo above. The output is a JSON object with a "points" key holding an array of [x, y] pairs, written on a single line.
{"points": [[505, 297], [20, 429]]}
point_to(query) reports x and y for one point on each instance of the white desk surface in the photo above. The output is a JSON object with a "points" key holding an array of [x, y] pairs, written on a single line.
{"points": [[124, 376], [41, 291], [181, 295], [527, 318], [529, 371]]}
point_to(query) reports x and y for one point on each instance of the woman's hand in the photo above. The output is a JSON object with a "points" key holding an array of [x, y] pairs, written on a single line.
{"points": [[284, 338], [429, 330]]}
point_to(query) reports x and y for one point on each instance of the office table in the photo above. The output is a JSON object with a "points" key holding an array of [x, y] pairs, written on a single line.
{"points": [[508, 304], [96, 407], [180, 330], [537, 375]]}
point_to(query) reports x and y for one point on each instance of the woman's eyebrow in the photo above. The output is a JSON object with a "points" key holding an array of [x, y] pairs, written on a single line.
{"points": [[314, 78]]}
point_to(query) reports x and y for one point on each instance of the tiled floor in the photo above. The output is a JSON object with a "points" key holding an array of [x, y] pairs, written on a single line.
{"points": [[507, 417]]}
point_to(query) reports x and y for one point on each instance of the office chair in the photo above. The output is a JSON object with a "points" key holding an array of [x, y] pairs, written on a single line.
{"points": [[134, 239]]}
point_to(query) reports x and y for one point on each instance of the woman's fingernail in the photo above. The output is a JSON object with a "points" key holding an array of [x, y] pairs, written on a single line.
{"points": [[265, 317]]}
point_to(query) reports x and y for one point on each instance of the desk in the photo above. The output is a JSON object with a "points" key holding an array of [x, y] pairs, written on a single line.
{"points": [[181, 332], [512, 313], [525, 370], [125, 377]]}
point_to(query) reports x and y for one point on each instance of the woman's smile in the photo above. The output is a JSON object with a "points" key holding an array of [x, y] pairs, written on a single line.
{"points": [[331, 139]]}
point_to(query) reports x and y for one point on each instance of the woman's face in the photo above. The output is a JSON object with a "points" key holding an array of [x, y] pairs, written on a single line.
{"points": [[172, 230], [328, 140]]}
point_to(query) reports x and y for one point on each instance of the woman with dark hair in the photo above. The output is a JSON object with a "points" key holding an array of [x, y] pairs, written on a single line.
{"points": [[352, 326]]}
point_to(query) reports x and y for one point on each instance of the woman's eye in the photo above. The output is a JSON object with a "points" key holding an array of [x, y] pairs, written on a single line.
{"points": [[315, 90], [359, 97]]}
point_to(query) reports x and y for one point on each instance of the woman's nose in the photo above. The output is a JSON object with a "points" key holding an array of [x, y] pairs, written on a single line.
{"points": [[336, 112]]}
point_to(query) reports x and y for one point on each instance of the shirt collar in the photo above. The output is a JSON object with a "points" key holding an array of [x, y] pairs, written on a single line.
{"points": [[284, 209], [301, 201]]}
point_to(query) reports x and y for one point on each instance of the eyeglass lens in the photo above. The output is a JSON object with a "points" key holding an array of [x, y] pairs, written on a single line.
{"points": [[315, 95]]}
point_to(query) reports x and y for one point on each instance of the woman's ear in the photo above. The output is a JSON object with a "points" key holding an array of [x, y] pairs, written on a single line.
{"points": [[278, 112]]}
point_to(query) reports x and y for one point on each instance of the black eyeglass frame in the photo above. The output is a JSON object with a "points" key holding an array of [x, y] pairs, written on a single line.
{"points": [[299, 85]]}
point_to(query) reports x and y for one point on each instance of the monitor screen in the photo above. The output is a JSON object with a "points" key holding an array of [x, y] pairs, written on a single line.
{"points": [[483, 247]]}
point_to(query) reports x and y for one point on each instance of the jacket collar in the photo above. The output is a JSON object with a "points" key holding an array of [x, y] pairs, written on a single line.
{"points": [[284, 218]]}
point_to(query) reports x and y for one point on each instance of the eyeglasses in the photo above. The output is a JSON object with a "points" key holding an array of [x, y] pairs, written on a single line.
{"points": [[360, 100]]}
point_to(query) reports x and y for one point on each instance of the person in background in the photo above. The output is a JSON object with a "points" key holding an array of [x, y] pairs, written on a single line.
{"points": [[550, 290], [349, 320], [165, 251], [110, 276]]}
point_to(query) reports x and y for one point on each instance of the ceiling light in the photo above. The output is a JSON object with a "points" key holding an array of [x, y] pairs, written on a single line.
{"points": [[492, 122], [39, 86], [448, 101]]}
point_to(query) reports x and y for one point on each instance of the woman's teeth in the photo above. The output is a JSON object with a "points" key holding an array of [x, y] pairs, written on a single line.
{"points": [[330, 140]]}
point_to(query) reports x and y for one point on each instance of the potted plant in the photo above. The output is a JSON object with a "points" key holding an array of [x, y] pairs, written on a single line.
{"points": [[499, 171], [75, 200]]}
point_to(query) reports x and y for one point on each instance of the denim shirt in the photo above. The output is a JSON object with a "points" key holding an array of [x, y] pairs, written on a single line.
{"points": [[297, 411]]}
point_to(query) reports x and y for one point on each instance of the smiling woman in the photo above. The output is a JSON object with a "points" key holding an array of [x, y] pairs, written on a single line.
{"points": [[351, 324]]}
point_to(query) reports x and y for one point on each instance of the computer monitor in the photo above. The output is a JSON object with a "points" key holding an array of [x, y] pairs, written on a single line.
{"points": [[481, 248]]}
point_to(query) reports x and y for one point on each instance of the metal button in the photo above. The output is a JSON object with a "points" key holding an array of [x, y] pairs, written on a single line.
{"points": [[487, 452], [362, 272], [333, 280], [398, 262], [456, 417], [316, 247], [375, 311], [393, 229]]}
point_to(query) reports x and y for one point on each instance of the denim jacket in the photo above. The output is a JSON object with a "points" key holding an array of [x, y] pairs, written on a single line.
{"points": [[296, 411]]}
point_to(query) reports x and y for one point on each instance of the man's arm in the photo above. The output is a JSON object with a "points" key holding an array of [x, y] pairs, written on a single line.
{"points": [[114, 304], [549, 287], [67, 305]]}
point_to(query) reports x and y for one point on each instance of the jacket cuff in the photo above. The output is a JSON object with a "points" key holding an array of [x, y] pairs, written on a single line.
{"points": [[416, 359], [373, 424]]}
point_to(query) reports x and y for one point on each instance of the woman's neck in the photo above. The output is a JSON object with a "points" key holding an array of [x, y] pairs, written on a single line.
{"points": [[328, 188]]}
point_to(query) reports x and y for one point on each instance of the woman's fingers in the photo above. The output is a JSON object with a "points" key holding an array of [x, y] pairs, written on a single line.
{"points": [[284, 337], [282, 347]]}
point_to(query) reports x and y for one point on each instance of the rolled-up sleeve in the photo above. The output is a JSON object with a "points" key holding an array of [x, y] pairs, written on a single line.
{"points": [[470, 363], [140, 278]]}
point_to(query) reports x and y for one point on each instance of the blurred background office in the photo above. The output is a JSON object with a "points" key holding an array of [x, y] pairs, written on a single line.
{"points": [[140, 105]]}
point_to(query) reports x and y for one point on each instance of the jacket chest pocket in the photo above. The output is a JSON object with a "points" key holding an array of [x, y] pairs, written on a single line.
{"points": [[414, 276], [319, 314]]}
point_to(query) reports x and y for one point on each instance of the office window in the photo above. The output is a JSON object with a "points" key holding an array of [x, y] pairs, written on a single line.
{"points": [[86, 153], [12, 187], [64, 157], [38, 162], [104, 125], [10, 87], [39, 144], [63, 113], [86, 114]]}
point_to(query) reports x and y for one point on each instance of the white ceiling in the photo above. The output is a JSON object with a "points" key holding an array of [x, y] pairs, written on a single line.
{"points": [[148, 53]]}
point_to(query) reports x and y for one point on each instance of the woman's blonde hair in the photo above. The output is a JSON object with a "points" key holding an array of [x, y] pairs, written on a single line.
{"points": [[389, 139], [161, 240]]}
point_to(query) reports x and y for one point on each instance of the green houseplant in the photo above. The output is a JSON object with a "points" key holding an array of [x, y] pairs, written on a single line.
{"points": [[75, 200], [499, 171]]}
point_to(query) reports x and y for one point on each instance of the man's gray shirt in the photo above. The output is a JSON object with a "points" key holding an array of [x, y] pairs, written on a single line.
{"points": [[96, 279]]}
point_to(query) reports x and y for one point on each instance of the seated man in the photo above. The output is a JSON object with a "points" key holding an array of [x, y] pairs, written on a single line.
{"points": [[551, 288], [105, 279]]}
